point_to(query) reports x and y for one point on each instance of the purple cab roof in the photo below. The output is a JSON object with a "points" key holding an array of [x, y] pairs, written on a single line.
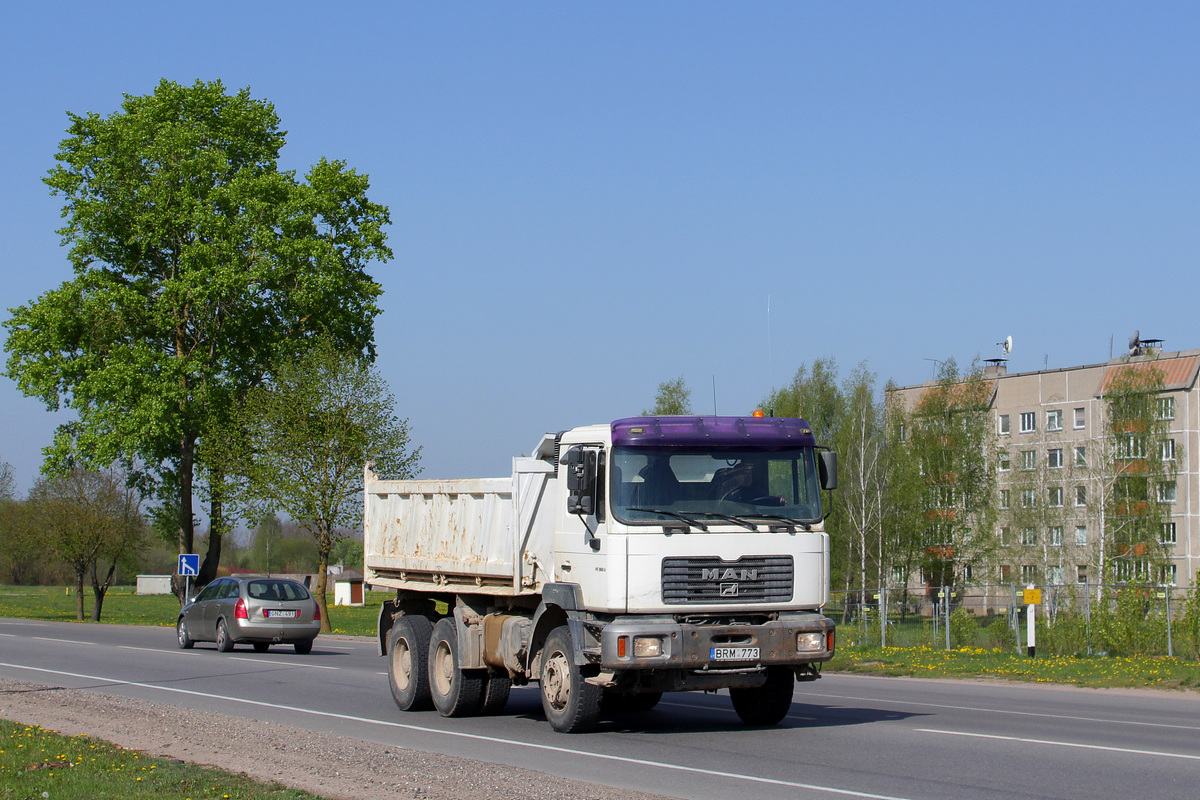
{"points": [[692, 431]]}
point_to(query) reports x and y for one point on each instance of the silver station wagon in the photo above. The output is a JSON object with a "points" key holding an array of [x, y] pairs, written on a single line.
{"points": [[251, 609]]}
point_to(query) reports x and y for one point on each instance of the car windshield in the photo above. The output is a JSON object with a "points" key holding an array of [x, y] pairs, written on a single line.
{"points": [[276, 590], [704, 486]]}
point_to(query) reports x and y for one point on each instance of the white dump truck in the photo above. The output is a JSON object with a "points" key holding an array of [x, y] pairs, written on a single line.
{"points": [[616, 563]]}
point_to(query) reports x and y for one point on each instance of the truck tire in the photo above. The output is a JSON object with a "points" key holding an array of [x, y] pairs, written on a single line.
{"points": [[455, 693], [767, 704], [571, 704], [408, 667], [224, 642], [496, 687]]}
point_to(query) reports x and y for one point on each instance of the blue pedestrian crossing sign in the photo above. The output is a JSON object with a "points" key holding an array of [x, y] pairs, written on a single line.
{"points": [[189, 564]]}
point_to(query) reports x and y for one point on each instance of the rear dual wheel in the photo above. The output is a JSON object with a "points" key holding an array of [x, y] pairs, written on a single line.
{"points": [[408, 663], [456, 692]]}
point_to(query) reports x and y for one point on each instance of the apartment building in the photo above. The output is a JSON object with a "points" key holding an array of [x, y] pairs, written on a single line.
{"points": [[1050, 432]]}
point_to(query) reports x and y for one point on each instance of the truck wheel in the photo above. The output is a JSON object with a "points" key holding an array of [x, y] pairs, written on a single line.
{"points": [[224, 643], [408, 668], [496, 687], [767, 704], [185, 639], [455, 693], [571, 704]]}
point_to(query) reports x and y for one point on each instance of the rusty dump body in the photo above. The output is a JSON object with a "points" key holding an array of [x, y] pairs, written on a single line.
{"points": [[481, 535]]}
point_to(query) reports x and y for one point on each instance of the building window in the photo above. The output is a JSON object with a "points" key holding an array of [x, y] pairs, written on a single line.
{"points": [[1080, 496], [1081, 535], [1029, 537], [1166, 408], [1005, 573], [1004, 425], [1004, 536], [1028, 422], [1056, 536], [1054, 576], [1054, 458], [1081, 456], [1081, 573], [1130, 446], [1028, 498], [1168, 450], [1168, 533], [1080, 420], [1056, 497], [1004, 498], [1029, 573], [1166, 492], [1028, 459], [1166, 576], [1005, 461], [968, 573], [1054, 420]]}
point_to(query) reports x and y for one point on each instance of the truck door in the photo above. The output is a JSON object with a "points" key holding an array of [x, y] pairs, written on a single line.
{"points": [[581, 542]]}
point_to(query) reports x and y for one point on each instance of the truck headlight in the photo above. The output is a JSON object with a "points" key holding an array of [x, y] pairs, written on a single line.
{"points": [[647, 646], [813, 642]]}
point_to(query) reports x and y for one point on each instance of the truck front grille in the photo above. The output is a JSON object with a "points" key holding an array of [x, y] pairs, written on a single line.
{"points": [[708, 579]]}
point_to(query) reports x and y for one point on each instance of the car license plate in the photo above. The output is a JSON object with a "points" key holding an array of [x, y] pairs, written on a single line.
{"points": [[285, 613], [733, 653]]}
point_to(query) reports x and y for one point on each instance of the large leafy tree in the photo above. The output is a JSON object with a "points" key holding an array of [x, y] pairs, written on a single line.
{"points": [[198, 263], [308, 431], [672, 398]]}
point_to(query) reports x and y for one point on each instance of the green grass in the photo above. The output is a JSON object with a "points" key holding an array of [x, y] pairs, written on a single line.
{"points": [[37, 763], [123, 606], [1157, 672]]}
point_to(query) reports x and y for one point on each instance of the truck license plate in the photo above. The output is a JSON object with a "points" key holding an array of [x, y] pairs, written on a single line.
{"points": [[287, 613], [733, 653]]}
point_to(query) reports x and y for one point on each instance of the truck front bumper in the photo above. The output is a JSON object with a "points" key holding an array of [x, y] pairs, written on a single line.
{"points": [[790, 640]]}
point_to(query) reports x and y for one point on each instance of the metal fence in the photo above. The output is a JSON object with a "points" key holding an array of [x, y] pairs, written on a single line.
{"points": [[1069, 619]]}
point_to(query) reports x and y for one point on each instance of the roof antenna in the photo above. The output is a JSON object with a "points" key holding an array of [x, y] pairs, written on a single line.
{"points": [[714, 395]]}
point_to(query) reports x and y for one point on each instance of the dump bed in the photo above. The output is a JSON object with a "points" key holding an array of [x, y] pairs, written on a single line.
{"points": [[485, 535]]}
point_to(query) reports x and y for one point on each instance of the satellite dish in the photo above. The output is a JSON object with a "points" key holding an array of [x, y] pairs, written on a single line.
{"points": [[1135, 343], [1008, 345]]}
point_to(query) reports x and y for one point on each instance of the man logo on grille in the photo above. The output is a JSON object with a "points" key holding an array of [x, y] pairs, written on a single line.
{"points": [[729, 590], [718, 574]]}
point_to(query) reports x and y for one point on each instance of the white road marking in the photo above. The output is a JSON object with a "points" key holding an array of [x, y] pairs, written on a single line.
{"points": [[475, 736], [64, 641], [1064, 744], [1003, 711], [280, 663]]}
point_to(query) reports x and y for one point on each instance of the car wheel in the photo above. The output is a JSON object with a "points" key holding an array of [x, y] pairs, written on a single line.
{"points": [[767, 704], [455, 693], [224, 643], [496, 687], [262, 647], [185, 640], [303, 647], [572, 705], [408, 662]]}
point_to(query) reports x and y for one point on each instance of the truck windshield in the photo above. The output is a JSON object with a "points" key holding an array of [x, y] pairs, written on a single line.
{"points": [[705, 486]]}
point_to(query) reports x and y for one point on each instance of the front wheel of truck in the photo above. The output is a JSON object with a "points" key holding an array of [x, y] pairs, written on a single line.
{"points": [[456, 692], [572, 705], [408, 669], [767, 704]]}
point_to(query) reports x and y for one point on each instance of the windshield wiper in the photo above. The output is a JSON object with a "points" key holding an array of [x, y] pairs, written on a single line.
{"points": [[682, 517], [728, 518], [791, 523]]}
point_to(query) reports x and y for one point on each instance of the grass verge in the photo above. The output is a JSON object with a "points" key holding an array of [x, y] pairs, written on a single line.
{"points": [[37, 763], [1157, 672]]}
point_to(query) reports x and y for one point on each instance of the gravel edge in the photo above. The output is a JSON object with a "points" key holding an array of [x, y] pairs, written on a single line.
{"points": [[335, 767]]}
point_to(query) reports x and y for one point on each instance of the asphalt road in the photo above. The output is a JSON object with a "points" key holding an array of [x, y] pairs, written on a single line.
{"points": [[847, 736]]}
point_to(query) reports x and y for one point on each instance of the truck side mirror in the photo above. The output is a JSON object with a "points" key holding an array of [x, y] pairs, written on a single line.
{"points": [[581, 479], [827, 469]]}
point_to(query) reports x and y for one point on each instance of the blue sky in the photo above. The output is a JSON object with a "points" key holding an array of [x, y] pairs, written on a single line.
{"points": [[588, 199]]}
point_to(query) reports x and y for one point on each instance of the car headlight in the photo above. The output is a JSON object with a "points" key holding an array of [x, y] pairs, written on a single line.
{"points": [[813, 642]]}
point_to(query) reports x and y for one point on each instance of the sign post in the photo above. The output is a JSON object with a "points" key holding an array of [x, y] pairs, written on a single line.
{"points": [[1033, 598], [189, 567]]}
